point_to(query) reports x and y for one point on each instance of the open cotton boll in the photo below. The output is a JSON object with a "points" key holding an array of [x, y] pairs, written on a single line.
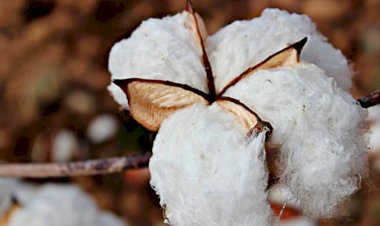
{"points": [[244, 44], [317, 127], [166, 49], [206, 172], [54, 205]]}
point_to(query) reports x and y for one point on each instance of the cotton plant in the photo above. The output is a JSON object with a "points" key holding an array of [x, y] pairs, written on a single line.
{"points": [[49, 205], [219, 103]]}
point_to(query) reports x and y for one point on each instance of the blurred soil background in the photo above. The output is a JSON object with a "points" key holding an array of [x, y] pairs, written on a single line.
{"points": [[54, 105]]}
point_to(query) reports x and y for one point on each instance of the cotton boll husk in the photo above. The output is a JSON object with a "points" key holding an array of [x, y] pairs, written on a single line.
{"points": [[166, 49], [318, 128], [53, 205], [243, 44], [206, 172]]}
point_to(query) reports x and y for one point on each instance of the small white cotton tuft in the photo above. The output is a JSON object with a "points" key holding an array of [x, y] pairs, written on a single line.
{"points": [[243, 44], [118, 95], [317, 127], [206, 172]]}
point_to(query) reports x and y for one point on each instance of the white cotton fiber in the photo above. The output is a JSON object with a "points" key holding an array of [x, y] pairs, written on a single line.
{"points": [[118, 95], [278, 194], [54, 205], [243, 44], [317, 127], [206, 172], [374, 118], [8, 188], [298, 221], [166, 49]]}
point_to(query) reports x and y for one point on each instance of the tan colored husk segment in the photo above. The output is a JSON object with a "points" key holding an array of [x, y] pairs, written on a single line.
{"points": [[4, 220], [248, 119], [150, 103]]}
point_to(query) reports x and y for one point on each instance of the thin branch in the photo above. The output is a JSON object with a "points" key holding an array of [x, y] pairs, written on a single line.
{"points": [[70, 169], [108, 165], [370, 100]]}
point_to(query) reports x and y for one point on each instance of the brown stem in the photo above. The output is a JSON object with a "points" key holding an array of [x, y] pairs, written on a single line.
{"points": [[70, 169], [370, 100]]}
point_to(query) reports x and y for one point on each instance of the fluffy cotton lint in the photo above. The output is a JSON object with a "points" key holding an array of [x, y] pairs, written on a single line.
{"points": [[279, 195], [207, 172], [317, 127], [243, 44], [52, 205], [166, 49], [374, 118]]}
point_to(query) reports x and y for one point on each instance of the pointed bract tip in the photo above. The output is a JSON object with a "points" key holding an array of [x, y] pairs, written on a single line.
{"points": [[189, 6], [121, 82], [298, 46]]}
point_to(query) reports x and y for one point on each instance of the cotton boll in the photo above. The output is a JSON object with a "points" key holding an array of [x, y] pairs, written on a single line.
{"points": [[59, 205], [317, 127], [166, 49], [206, 172], [244, 44]]}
